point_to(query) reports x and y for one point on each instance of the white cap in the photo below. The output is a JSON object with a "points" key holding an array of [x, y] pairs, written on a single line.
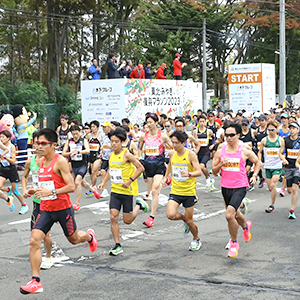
{"points": [[247, 114], [257, 114]]}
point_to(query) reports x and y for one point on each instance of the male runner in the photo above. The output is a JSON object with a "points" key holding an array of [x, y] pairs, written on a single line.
{"points": [[185, 167], [32, 165], [55, 182], [230, 159], [124, 169]]}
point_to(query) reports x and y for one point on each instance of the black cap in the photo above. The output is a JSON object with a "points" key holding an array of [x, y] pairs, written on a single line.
{"points": [[245, 122], [262, 117]]}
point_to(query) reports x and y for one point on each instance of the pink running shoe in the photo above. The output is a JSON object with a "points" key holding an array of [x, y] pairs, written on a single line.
{"points": [[149, 222], [96, 193], [247, 234], [32, 287], [94, 243], [76, 206], [233, 250], [282, 193]]}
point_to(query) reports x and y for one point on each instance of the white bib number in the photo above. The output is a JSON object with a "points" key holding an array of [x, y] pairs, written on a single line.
{"points": [[273, 152], [152, 150], [76, 157], [176, 172], [35, 180], [233, 164], [49, 185], [116, 175], [292, 153]]}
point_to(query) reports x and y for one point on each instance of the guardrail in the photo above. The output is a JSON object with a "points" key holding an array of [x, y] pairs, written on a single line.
{"points": [[29, 153]]}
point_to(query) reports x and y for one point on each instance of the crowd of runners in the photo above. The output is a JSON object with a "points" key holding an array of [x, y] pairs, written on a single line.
{"points": [[163, 151]]}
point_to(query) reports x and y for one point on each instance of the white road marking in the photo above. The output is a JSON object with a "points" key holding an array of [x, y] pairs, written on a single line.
{"points": [[20, 222], [131, 235]]}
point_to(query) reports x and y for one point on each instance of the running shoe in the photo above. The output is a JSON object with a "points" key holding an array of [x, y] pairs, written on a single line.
{"points": [[104, 194], [250, 188], [227, 247], [76, 206], [149, 222], [212, 187], [10, 203], [246, 232], [147, 197], [261, 183], [270, 209], [96, 193], [89, 193], [292, 215], [47, 263], [24, 209], [208, 182], [245, 208], [234, 249], [94, 243], [32, 287], [282, 192], [195, 245], [280, 178], [143, 205], [186, 228], [116, 250]]}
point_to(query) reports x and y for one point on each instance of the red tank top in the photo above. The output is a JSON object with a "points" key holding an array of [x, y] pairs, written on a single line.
{"points": [[50, 180]]}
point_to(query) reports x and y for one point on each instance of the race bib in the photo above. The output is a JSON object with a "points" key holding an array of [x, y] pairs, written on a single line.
{"points": [[203, 142], [258, 145], [76, 157], [233, 164], [292, 153], [94, 147], [176, 173], [49, 185], [4, 162], [273, 152], [35, 180], [152, 150], [116, 175], [248, 143]]}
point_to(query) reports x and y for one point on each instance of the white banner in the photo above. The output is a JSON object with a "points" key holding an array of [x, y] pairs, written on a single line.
{"points": [[114, 99]]}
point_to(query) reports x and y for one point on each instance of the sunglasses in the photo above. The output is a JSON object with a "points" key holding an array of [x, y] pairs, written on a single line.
{"points": [[167, 126], [42, 143], [86, 127], [271, 129], [230, 134], [178, 125]]}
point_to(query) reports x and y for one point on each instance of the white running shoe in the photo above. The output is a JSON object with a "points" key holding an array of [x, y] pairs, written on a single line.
{"points": [[208, 182], [212, 187], [104, 194], [47, 263], [228, 245]]}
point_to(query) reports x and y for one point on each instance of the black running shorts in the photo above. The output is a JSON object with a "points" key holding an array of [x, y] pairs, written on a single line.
{"points": [[234, 197], [186, 201], [119, 200]]}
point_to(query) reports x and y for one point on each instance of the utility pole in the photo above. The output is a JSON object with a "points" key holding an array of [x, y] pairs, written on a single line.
{"points": [[282, 61], [204, 102]]}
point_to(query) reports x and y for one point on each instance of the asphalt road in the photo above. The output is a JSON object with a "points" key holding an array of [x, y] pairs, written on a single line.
{"points": [[156, 263]]}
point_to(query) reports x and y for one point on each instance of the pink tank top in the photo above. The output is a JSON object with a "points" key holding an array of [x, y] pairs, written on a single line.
{"points": [[154, 149], [233, 173]]}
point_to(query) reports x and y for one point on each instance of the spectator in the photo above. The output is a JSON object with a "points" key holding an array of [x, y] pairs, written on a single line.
{"points": [[188, 124], [160, 72], [148, 73], [178, 67], [94, 70], [112, 67], [128, 69], [138, 72]]}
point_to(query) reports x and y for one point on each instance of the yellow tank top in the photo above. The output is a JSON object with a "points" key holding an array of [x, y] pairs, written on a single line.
{"points": [[120, 172], [183, 186]]}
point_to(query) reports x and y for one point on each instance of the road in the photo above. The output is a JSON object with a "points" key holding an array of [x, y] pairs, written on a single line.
{"points": [[156, 263]]}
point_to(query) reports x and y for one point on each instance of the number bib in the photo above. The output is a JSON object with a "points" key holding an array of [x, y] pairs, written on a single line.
{"points": [[258, 145], [292, 153], [35, 179], [77, 157], [94, 147], [49, 185], [273, 152], [152, 150], [203, 142], [233, 164], [4, 162], [116, 175], [176, 173], [248, 143]]}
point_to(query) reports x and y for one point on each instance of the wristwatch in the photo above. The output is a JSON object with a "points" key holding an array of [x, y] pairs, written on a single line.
{"points": [[54, 192]]}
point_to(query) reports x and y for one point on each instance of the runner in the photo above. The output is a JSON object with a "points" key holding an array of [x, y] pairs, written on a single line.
{"points": [[204, 136], [9, 171], [230, 159], [129, 144], [63, 130], [169, 131], [95, 139], [55, 182], [124, 169], [77, 149], [185, 167], [105, 151], [32, 165], [154, 163], [292, 173], [272, 146]]}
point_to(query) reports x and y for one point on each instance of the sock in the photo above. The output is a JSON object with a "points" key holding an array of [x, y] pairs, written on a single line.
{"points": [[7, 199], [118, 244], [246, 227], [198, 239], [151, 217], [37, 278], [91, 238], [24, 204], [234, 241], [291, 210]]}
